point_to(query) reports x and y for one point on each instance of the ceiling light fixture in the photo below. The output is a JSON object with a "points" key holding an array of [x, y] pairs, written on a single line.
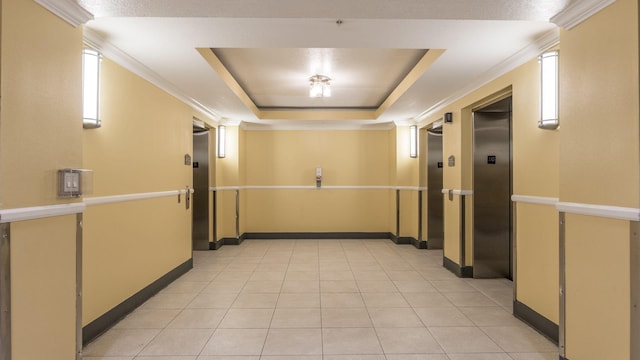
{"points": [[320, 86]]}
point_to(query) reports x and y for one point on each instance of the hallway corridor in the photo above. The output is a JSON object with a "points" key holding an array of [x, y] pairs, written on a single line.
{"points": [[327, 299]]}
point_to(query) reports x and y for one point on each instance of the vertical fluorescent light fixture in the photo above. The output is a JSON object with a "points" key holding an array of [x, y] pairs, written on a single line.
{"points": [[549, 90], [413, 141], [91, 89], [222, 143]]}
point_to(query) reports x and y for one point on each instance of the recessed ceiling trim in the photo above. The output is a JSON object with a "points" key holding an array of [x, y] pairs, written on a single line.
{"points": [[320, 114], [231, 82], [68, 10], [420, 68], [579, 11]]}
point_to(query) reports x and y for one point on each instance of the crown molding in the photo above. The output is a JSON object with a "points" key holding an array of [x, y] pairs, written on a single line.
{"points": [[94, 40], [579, 11], [68, 10], [542, 43]]}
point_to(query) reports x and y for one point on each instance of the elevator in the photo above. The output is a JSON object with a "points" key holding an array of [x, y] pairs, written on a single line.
{"points": [[200, 202], [435, 206], [492, 182]]}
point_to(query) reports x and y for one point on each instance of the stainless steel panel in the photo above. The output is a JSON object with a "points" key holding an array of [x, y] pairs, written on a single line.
{"points": [[562, 316], [79, 286], [5, 292], [635, 288], [435, 200], [492, 191], [200, 212]]}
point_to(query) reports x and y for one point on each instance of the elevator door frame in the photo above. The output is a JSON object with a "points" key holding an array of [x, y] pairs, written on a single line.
{"points": [[200, 202], [435, 237], [479, 265]]}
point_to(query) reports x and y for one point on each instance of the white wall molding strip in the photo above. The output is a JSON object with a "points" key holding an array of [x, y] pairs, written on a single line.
{"points": [[458, 192], [68, 10], [539, 200], [578, 12], [612, 212], [89, 201], [311, 187], [39, 212]]}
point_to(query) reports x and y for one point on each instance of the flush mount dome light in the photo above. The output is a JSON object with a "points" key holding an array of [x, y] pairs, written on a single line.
{"points": [[320, 86]]}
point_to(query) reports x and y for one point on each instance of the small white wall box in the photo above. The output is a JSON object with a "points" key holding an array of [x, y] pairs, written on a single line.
{"points": [[74, 183]]}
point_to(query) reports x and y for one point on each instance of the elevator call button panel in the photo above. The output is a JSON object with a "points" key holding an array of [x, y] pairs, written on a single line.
{"points": [[491, 159]]}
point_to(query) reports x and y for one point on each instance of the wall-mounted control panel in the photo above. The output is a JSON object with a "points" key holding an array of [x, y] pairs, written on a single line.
{"points": [[74, 182], [318, 177]]}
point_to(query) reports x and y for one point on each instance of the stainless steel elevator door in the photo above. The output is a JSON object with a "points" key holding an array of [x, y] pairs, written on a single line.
{"points": [[200, 212], [492, 191], [435, 219]]}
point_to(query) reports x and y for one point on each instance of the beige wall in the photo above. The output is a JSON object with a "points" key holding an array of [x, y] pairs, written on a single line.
{"points": [[289, 158], [40, 132], [140, 148], [599, 165]]}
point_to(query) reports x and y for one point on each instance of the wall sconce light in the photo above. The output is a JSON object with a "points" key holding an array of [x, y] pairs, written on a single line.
{"points": [[91, 89], [413, 141], [548, 90], [222, 143], [448, 117]]}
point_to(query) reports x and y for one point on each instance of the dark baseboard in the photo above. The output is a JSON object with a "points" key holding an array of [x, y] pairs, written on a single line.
{"points": [[562, 358], [420, 244], [316, 235], [462, 272], [111, 317], [540, 323]]}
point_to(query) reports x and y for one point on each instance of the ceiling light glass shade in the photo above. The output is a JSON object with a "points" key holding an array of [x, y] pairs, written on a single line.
{"points": [[91, 89], [413, 141], [222, 137], [549, 90], [320, 86]]}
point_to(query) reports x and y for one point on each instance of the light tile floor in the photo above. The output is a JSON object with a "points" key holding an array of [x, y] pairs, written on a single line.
{"points": [[323, 300]]}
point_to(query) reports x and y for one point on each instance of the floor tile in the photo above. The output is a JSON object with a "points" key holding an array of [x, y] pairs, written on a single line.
{"points": [[407, 341], [518, 339], [120, 342], [198, 319], [484, 356], [262, 286], [394, 317], [452, 285], [346, 341], [417, 357], [148, 319], [299, 300], [293, 342], [432, 299], [354, 357], [226, 357], [447, 316], [464, 340], [404, 275], [345, 317], [534, 356], [222, 286], [490, 316], [169, 301], [177, 357], [301, 286], [212, 301], [296, 318], [178, 342], [181, 286], [378, 286], [255, 301], [469, 299], [341, 300], [230, 275], [302, 275], [247, 319], [384, 300], [337, 275], [338, 286], [267, 275], [236, 342], [414, 286], [370, 275]]}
